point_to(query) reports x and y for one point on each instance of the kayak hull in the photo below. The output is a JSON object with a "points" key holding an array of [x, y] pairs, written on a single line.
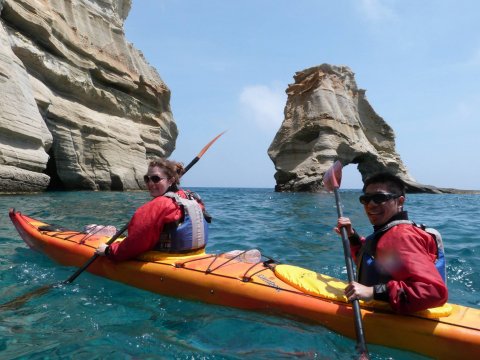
{"points": [[218, 280]]}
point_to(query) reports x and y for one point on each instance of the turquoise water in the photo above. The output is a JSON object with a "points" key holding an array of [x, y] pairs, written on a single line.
{"points": [[94, 318]]}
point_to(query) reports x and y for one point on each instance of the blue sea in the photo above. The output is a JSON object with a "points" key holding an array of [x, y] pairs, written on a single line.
{"points": [[95, 318]]}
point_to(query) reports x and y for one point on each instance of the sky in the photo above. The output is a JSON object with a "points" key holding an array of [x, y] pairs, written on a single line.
{"points": [[228, 64]]}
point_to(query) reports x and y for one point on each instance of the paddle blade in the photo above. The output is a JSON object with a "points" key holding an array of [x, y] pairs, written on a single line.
{"points": [[19, 301], [333, 176], [206, 147], [200, 154]]}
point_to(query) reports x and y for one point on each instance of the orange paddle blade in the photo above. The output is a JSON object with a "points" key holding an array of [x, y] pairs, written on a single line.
{"points": [[333, 176], [200, 154]]}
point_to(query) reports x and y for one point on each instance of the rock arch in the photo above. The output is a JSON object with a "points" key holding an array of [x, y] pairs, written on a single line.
{"points": [[328, 118]]}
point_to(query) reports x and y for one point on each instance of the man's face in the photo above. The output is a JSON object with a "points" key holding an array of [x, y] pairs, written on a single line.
{"points": [[379, 214]]}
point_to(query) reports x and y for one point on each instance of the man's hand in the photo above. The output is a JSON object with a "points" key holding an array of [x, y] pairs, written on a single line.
{"points": [[356, 291], [347, 224]]}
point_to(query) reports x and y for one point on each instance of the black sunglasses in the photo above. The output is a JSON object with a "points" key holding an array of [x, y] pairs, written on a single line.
{"points": [[378, 198], [154, 178]]}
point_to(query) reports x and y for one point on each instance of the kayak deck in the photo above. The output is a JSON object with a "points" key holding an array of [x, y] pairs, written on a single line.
{"points": [[220, 280]]}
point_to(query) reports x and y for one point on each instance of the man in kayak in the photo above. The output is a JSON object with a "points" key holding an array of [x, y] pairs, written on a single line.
{"points": [[397, 262], [173, 222]]}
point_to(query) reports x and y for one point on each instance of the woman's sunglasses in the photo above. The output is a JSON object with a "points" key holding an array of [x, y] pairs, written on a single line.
{"points": [[378, 198], [154, 178]]}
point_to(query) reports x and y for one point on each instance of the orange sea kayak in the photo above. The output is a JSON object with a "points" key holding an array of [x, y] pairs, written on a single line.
{"points": [[450, 332]]}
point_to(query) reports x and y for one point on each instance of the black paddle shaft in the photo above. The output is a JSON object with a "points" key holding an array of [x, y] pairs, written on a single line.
{"points": [[361, 343], [95, 256], [193, 162]]}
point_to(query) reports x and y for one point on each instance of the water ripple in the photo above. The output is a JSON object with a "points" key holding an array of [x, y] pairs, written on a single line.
{"points": [[98, 319]]}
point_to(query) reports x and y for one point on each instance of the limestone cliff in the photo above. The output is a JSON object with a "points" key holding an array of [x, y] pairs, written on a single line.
{"points": [[328, 118], [80, 107]]}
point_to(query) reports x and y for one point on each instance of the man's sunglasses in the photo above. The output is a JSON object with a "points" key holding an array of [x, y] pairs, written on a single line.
{"points": [[154, 178], [378, 198]]}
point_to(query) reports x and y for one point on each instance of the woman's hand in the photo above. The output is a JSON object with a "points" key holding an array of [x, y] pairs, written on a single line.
{"points": [[100, 250], [347, 224], [357, 291]]}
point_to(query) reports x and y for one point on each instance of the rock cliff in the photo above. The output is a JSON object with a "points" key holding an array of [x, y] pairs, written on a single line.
{"points": [[328, 118], [80, 107]]}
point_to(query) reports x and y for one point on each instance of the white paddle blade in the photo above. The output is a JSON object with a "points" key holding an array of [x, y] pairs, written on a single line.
{"points": [[333, 176]]}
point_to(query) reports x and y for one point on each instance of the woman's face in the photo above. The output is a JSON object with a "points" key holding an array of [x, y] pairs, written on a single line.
{"points": [[159, 188]]}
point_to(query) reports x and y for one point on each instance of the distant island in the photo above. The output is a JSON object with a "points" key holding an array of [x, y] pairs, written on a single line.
{"points": [[327, 118]]}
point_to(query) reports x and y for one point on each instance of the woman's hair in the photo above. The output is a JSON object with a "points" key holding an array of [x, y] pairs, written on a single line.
{"points": [[174, 170]]}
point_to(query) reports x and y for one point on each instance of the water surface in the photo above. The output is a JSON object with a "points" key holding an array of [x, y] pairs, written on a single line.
{"points": [[95, 318]]}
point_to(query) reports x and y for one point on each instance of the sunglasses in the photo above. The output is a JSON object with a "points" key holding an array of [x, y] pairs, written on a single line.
{"points": [[154, 178], [378, 198]]}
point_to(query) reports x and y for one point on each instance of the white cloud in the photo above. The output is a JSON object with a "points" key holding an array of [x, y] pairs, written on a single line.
{"points": [[264, 105], [377, 10]]}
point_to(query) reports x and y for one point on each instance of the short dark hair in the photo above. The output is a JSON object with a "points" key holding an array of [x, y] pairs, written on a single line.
{"points": [[394, 183]]}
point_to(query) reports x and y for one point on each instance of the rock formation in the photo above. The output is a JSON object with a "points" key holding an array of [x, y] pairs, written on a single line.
{"points": [[80, 107], [328, 118]]}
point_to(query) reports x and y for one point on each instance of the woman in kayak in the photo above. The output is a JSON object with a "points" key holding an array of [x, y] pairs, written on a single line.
{"points": [[397, 262], [173, 222]]}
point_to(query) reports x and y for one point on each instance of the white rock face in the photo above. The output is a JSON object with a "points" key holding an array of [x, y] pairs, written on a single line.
{"points": [[24, 136], [328, 118], [80, 108]]}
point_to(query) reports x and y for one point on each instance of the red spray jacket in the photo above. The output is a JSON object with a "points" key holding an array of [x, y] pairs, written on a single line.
{"points": [[406, 254], [145, 227]]}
